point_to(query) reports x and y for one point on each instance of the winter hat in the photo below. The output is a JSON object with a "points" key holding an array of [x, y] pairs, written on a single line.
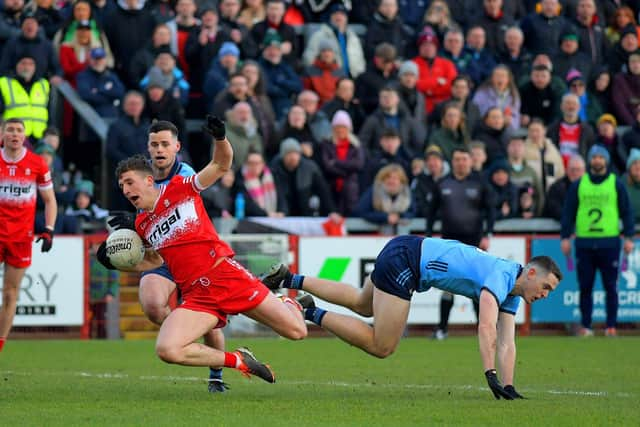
{"points": [[634, 156], [628, 29], [499, 165], [408, 67], [289, 145], [342, 118], [85, 186], [608, 118], [228, 48], [598, 150], [574, 75], [272, 37], [325, 45], [569, 33], [157, 79], [98, 53], [433, 150], [337, 7], [428, 36]]}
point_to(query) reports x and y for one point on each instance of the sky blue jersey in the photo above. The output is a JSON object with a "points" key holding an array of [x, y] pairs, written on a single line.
{"points": [[465, 270], [179, 168]]}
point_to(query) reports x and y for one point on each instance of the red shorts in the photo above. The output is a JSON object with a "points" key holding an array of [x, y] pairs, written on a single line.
{"points": [[16, 254], [227, 288]]}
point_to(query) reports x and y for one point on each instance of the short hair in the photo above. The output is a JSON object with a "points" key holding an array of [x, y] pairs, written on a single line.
{"points": [[537, 121], [464, 150], [476, 143], [389, 132], [137, 163], [51, 131], [161, 125], [546, 264], [13, 120]]}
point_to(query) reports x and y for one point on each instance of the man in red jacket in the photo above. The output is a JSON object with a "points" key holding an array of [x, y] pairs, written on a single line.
{"points": [[435, 72]]}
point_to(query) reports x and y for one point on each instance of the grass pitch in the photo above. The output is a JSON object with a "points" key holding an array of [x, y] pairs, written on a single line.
{"points": [[321, 382]]}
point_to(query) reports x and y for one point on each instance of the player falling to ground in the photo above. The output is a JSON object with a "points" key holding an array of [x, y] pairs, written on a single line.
{"points": [[174, 222], [21, 173], [157, 285], [409, 264]]}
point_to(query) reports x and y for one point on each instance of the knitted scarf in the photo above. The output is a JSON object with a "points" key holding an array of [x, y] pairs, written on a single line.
{"points": [[261, 189]]}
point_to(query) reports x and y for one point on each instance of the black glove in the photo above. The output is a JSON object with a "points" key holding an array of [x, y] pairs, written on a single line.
{"points": [[512, 392], [102, 256], [214, 127], [123, 220], [495, 386], [47, 240]]}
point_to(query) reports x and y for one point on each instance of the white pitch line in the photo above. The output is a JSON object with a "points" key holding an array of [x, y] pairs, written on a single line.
{"points": [[109, 375]]}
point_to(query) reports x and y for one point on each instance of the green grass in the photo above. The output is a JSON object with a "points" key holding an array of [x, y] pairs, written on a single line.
{"points": [[321, 382]]}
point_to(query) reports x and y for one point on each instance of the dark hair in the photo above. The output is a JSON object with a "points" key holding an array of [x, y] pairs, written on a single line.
{"points": [[342, 79], [13, 120], [460, 150], [547, 264], [160, 125], [137, 163], [389, 132], [51, 130], [261, 86]]}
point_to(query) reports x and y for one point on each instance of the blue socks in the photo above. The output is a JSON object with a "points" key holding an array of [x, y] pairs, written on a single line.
{"points": [[215, 374], [315, 315], [294, 281]]}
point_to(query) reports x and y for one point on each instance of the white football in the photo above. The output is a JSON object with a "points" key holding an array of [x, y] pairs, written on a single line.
{"points": [[124, 248]]}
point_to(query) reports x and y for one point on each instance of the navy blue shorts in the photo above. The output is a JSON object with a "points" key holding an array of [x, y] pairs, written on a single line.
{"points": [[396, 270], [163, 271]]}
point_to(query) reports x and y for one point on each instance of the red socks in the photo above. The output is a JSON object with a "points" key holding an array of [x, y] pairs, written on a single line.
{"points": [[2, 340], [230, 360]]}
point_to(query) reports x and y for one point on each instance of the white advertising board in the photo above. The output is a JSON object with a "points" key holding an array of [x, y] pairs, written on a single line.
{"points": [[52, 291], [351, 259]]}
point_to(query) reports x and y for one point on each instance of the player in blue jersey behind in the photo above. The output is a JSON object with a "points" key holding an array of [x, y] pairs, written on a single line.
{"points": [[409, 264], [157, 285]]}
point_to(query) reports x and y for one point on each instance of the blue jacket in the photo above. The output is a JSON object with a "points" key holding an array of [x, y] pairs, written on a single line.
{"points": [[100, 90], [480, 66], [282, 84], [125, 138], [216, 81], [570, 210]]}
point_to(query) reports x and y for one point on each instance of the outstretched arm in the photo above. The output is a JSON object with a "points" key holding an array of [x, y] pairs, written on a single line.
{"points": [[222, 154], [506, 346]]}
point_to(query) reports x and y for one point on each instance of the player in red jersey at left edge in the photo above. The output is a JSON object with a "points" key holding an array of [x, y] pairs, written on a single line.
{"points": [[21, 173], [175, 224]]}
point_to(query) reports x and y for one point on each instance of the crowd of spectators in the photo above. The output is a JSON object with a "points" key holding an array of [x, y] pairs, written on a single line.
{"points": [[338, 107]]}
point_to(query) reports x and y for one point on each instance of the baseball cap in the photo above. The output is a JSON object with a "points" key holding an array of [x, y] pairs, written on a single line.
{"points": [[98, 53]]}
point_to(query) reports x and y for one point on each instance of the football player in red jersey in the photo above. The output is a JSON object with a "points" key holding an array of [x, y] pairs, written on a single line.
{"points": [[174, 222], [21, 174]]}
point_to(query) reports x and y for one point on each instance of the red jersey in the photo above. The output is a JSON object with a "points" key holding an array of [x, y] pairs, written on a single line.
{"points": [[179, 228], [19, 182]]}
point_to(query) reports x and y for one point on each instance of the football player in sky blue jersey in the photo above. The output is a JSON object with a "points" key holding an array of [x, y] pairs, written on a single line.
{"points": [[157, 285], [409, 264]]}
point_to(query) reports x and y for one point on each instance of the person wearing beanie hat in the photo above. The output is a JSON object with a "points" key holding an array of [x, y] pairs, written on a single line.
{"points": [[302, 187], [593, 208], [632, 182], [590, 108], [342, 118], [322, 76], [289, 145], [409, 94], [228, 48], [435, 73], [342, 159], [607, 136], [570, 55], [346, 43]]}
